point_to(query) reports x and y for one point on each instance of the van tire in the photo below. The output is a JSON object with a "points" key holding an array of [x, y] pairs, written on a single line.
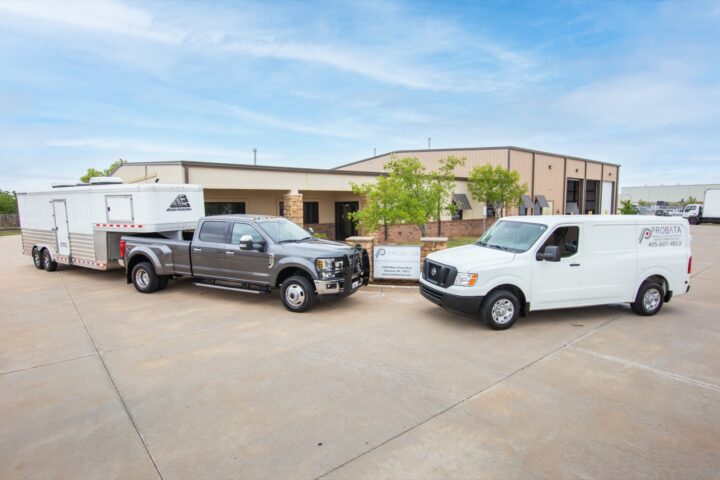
{"points": [[500, 309], [144, 278], [297, 293], [48, 263], [37, 258], [649, 299]]}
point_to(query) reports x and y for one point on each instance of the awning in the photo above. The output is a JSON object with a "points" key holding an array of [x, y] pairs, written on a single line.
{"points": [[541, 201], [526, 201], [462, 202]]}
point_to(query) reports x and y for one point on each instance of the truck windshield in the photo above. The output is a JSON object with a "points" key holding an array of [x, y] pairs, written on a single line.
{"points": [[282, 231], [516, 237]]}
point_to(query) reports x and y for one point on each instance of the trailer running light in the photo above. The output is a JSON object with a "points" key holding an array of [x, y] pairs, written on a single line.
{"points": [[122, 248], [690, 265]]}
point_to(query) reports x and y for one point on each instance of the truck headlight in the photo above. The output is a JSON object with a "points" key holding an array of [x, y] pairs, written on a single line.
{"points": [[466, 279], [329, 264]]}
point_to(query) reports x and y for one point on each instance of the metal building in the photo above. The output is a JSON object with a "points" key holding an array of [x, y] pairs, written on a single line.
{"points": [[667, 193]]}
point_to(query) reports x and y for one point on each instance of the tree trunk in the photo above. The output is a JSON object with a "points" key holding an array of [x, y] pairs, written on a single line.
{"points": [[439, 228], [385, 227], [422, 230]]}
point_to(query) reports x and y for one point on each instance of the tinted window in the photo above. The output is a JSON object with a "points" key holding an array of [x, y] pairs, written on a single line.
{"points": [[311, 212], [241, 229], [214, 232], [567, 238], [224, 208]]}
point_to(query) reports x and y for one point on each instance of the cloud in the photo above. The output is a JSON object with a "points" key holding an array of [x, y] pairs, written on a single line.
{"points": [[127, 146]]}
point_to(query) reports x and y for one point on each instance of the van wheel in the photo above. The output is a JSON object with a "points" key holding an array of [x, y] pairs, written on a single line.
{"points": [[37, 258], [500, 309], [297, 293], [48, 263], [649, 299], [144, 278]]}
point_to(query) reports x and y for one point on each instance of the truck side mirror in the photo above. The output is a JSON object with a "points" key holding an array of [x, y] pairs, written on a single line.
{"points": [[551, 253], [246, 242], [310, 230]]}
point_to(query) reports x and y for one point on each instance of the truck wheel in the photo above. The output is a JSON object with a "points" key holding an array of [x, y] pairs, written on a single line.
{"points": [[693, 220], [649, 299], [163, 282], [48, 263], [297, 293], [144, 278], [500, 309], [37, 258]]}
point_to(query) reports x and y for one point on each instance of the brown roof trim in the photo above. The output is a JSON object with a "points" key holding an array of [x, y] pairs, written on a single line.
{"points": [[509, 147], [240, 166]]}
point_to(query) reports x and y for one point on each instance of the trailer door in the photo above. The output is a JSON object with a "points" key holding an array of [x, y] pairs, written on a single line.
{"points": [[119, 208], [62, 231]]}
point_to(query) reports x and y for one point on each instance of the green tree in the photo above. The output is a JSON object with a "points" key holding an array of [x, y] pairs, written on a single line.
{"points": [[442, 186], [644, 203], [691, 199], [627, 208], [8, 204], [92, 172], [496, 186], [381, 204]]}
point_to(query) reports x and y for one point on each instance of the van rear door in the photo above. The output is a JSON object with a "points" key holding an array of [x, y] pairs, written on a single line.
{"points": [[610, 263]]}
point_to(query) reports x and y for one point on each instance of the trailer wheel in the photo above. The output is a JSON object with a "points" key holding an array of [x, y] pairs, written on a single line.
{"points": [[649, 299], [48, 263], [297, 293], [37, 258], [500, 309], [144, 278]]}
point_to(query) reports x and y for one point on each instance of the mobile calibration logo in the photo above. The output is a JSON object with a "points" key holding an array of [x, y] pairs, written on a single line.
{"points": [[645, 234], [180, 203]]}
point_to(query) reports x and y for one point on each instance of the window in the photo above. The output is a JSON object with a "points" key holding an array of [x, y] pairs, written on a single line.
{"points": [[214, 232], [224, 208], [282, 230], [457, 215], [281, 209], [241, 229], [311, 212], [511, 236], [566, 238]]}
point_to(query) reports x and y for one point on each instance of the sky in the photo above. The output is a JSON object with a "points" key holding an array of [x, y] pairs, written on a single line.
{"points": [[322, 83]]}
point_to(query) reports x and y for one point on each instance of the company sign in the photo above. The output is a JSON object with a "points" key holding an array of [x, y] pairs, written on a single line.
{"points": [[396, 262], [661, 236]]}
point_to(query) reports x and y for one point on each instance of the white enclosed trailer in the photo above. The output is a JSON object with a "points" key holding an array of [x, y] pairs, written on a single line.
{"points": [[82, 224]]}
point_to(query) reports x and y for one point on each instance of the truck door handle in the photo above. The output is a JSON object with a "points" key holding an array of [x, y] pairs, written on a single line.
{"points": [[574, 264], [229, 254], [197, 249]]}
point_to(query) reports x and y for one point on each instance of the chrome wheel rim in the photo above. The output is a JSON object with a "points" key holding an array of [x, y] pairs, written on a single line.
{"points": [[142, 278], [651, 299], [37, 259], [46, 260], [295, 295], [503, 311]]}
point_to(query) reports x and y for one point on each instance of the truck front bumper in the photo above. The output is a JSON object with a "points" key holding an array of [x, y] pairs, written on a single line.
{"points": [[336, 286], [450, 301]]}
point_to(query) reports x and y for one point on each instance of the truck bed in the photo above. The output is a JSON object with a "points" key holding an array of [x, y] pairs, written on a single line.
{"points": [[172, 255]]}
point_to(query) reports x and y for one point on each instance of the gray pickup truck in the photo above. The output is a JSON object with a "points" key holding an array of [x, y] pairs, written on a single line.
{"points": [[248, 253]]}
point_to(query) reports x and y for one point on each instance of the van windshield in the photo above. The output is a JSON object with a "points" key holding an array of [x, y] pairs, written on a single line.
{"points": [[516, 237]]}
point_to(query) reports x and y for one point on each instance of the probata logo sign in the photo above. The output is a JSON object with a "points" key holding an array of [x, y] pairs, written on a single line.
{"points": [[661, 236], [180, 203]]}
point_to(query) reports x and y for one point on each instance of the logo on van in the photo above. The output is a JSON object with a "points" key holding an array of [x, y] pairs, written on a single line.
{"points": [[645, 234], [662, 236], [180, 203]]}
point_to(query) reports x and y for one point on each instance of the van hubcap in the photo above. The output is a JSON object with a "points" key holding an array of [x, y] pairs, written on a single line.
{"points": [[142, 278], [651, 299], [502, 311], [295, 295]]}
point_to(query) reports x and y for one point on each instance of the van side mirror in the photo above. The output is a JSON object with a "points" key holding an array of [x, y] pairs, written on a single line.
{"points": [[246, 242], [550, 254]]}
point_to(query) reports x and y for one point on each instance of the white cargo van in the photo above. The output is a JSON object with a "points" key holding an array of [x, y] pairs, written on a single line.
{"points": [[81, 224], [530, 263]]}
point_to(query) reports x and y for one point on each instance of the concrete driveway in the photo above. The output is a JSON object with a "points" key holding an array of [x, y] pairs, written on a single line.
{"points": [[98, 381]]}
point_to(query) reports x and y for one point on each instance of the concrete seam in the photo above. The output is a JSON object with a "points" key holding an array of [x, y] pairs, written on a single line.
{"points": [[648, 368], [112, 381], [460, 402], [48, 364]]}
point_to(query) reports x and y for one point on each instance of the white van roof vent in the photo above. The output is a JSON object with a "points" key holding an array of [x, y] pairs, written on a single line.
{"points": [[105, 181]]}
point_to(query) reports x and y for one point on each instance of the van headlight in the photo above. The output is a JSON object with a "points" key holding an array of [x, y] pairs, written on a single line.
{"points": [[466, 279]]}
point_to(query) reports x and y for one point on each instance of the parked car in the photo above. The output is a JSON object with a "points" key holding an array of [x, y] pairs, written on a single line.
{"points": [[662, 213], [530, 263], [251, 254]]}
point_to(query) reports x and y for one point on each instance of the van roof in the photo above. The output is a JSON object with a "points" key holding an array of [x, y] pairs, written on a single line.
{"points": [[552, 220]]}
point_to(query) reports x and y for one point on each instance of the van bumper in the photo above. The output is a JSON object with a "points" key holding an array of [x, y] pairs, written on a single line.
{"points": [[452, 302]]}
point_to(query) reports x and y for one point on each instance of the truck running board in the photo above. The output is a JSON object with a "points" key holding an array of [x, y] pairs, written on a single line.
{"points": [[234, 289]]}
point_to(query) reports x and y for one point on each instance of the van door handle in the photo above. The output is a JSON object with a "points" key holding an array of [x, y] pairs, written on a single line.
{"points": [[229, 254], [197, 250], [574, 264]]}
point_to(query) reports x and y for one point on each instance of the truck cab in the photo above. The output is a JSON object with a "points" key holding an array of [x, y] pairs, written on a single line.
{"points": [[523, 264], [251, 254], [693, 213]]}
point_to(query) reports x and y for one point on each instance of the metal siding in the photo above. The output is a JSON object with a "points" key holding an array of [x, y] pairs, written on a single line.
{"points": [[594, 171], [550, 181], [575, 169], [82, 246]]}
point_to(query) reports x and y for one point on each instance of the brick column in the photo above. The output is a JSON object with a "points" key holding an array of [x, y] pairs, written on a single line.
{"points": [[366, 243], [431, 244], [293, 207]]}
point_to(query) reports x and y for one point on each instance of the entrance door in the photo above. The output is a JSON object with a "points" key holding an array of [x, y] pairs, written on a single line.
{"points": [[607, 198], [344, 225], [62, 230]]}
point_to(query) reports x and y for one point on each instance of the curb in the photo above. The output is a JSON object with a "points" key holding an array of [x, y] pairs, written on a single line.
{"points": [[391, 288]]}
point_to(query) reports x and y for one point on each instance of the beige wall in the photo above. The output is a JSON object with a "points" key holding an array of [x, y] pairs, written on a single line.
{"points": [[594, 171], [326, 202], [550, 179], [150, 173], [575, 169]]}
